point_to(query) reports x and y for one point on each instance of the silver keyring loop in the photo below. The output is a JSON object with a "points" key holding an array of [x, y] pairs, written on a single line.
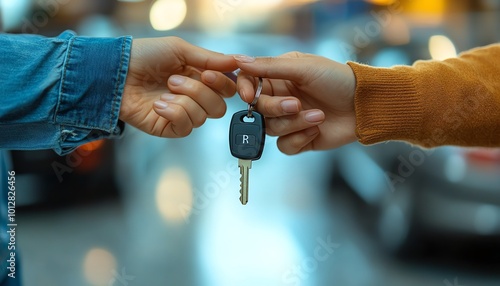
{"points": [[251, 106]]}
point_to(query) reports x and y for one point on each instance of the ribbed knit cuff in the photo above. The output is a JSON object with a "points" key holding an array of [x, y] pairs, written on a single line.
{"points": [[387, 104]]}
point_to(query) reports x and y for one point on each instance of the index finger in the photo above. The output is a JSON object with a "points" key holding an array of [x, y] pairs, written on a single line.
{"points": [[289, 66]]}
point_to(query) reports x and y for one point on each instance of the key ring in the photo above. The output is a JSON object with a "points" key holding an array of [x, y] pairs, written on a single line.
{"points": [[251, 106]]}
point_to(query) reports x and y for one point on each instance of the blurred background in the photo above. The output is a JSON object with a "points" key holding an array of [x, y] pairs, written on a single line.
{"points": [[151, 211]]}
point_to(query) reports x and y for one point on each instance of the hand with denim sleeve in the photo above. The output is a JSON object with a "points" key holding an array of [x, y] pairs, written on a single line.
{"points": [[308, 100], [173, 86], [61, 92]]}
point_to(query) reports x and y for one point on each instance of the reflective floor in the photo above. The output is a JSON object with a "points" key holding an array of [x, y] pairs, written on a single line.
{"points": [[178, 221]]}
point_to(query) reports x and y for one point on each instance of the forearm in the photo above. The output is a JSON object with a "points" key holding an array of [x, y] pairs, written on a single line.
{"points": [[453, 102], [59, 93]]}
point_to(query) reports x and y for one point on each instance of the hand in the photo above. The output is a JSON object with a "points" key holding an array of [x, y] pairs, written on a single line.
{"points": [[170, 88], [308, 101]]}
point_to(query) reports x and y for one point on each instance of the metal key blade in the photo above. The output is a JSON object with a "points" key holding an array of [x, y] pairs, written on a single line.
{"points": [[245, 166]]}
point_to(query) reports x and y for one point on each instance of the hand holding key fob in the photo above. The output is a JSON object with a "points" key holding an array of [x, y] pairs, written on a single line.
{"points": [[247, 134]]}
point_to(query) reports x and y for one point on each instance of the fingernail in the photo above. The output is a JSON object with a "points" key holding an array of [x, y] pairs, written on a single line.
{"points": [[312, 131], [210, 77], [244, 59], [290, 106], [243, 95], [160, 104], [314, 116], [177, 80]]}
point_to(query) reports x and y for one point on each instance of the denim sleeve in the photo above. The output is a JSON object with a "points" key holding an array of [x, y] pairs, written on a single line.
{"points": [[58, 93]]}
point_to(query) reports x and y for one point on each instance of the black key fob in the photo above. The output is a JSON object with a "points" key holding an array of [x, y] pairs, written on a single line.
{"points": [[247, 135]]}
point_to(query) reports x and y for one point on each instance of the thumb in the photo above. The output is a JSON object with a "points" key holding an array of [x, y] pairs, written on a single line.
{"points": [[205, 59], [288, 66]]}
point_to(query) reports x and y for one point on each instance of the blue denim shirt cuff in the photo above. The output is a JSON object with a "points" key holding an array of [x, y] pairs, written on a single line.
{"points": [[93, 79]]}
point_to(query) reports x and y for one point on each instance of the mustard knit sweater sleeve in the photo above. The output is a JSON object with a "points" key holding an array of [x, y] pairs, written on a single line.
{"points": [[432, 103]]}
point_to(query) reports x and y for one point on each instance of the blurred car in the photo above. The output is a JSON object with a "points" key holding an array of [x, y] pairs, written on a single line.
{"points": [[43, 177], [422, 201]]}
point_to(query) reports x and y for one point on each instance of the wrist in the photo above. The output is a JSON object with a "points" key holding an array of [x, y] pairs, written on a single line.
{"points": [[387, 105]]}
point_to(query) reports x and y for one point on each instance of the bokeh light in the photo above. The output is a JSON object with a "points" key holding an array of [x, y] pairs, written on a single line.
{"points": [[167, 14], [12, 12], [397, 31], [227, 16], [99, 266], [441, 48], [259, 249], [174, 195], [390, 57], [427, 12]]}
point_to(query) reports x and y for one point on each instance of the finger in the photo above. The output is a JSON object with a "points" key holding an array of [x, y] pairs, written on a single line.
{"points": [[179, 124], [203, 58], [247, 85], [219, 83], [272, 106], [195, 112], [298, 142], [284, 67], [285, 125], [212, 104]]}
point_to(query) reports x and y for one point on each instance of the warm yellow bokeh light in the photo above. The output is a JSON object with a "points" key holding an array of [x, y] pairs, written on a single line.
{"points": [[426, 6], [174, 195], [99, 267], [167, 14], [425, 12], [441, 48]]}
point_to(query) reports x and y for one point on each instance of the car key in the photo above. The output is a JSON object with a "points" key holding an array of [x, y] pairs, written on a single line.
{"points": [[246, 141]]}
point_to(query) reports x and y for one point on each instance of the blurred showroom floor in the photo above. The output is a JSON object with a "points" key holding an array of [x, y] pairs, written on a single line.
{"points": [[178, 221]]}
